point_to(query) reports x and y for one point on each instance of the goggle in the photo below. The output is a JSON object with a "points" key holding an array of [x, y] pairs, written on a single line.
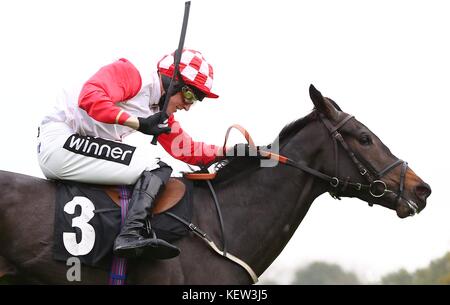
{"points": [[189, 95]]}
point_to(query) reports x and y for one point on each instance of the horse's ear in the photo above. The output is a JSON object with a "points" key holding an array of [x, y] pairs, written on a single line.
{"points": [[323, 105]]}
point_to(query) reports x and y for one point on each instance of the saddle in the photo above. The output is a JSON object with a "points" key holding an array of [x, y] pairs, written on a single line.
{"points": [[172, 193]]}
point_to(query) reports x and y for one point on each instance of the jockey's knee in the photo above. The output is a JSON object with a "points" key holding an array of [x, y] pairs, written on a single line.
{"points": [[163, 171]]}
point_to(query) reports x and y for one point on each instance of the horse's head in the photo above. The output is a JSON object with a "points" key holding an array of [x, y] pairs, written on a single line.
{"points": [[361, 165]]}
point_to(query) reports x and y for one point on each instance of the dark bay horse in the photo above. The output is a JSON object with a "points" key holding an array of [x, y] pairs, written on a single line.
{"points": [[261, 206]]}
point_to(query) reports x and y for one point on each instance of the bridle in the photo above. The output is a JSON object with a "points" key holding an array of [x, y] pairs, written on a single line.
{"points": [[373, 178], [375, 186]]}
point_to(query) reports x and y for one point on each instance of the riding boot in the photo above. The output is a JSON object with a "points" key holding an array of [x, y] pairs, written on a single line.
{"points": [[136, 237]]}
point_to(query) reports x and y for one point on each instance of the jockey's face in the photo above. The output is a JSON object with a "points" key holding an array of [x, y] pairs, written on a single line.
{"points": [[176, 102]]}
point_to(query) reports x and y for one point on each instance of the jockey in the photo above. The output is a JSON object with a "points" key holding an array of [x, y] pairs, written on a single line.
{"points": [[81, 139]]}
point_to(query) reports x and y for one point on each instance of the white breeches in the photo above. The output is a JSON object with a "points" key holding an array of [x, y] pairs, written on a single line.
{"points": [[65, 156]]}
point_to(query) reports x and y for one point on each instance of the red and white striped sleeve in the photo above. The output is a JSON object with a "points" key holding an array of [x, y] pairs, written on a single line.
{"points": [[181, 146], [116, 82]]}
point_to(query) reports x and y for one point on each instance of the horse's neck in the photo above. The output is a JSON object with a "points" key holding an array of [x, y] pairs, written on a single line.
{"points": [[278, 210], [266, 207]]}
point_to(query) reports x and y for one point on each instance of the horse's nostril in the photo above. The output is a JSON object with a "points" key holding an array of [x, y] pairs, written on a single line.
{"points": [[423, 191]]}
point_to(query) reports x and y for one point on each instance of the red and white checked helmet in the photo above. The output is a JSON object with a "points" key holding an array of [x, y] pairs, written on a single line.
{"points": [[194, 69]]}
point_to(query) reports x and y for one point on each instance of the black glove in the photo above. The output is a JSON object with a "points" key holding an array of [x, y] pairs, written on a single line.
{"points": [[243, 150], [155, 124]]}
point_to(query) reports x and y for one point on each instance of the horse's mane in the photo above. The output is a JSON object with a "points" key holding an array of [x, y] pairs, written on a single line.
{"points": [[234, 166], [294, 127]]}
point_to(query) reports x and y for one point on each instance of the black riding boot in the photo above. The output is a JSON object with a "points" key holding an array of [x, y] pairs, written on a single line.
{"points": [[133, 240]]}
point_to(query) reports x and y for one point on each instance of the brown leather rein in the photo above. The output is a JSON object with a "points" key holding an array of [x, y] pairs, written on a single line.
{"points": [[337, 183], [248, 138]]}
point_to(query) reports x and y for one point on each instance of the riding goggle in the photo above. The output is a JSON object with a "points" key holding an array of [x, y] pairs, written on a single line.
{"points": [[188, 95]]}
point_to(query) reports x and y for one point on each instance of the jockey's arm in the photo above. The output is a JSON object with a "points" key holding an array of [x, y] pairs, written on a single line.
{"points": [[181, 146], [132, 122], [120, 81], [116, 82]]}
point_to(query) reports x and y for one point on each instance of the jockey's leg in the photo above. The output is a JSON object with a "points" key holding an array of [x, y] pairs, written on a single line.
{"points": [[132, 241], [84, 164]]}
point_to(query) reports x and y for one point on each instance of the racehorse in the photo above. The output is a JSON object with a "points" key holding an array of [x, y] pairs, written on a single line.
{"points": [[328, 151]]}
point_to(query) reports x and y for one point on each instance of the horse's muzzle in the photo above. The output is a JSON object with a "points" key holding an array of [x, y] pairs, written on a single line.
{"points": [[409, 207], [423, 191]]}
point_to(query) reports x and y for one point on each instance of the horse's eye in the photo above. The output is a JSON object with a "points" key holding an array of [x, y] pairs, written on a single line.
{"points": [[365, 139]]}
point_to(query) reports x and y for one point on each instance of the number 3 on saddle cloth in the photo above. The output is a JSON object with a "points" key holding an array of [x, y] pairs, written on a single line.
{"points": [[88, 218]]}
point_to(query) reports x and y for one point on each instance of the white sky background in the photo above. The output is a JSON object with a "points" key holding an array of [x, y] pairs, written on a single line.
{"points": [[386, 62]]}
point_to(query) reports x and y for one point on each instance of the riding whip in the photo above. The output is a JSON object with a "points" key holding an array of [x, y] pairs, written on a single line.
{"points": [[177, 59]]}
